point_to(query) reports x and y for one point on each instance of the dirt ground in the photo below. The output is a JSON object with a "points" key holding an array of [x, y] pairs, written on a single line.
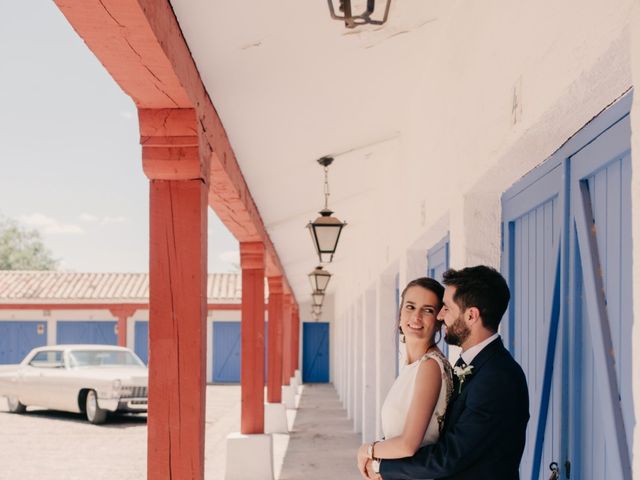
{"points": [[43, 444]]}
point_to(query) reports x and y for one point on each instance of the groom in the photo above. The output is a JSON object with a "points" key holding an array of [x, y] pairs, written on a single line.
{"points": [[484, 431]]}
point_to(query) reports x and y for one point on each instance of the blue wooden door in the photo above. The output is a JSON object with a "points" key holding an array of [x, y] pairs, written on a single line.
{"points": [[567, 258], [18, 338], [90, 332], [601, 198], [141, 343], [315, 353], [226, 352], [532, 235], [437, 264]]}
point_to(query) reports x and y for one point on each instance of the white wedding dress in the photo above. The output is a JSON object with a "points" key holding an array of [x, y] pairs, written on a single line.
{"points": [[396, 405]]}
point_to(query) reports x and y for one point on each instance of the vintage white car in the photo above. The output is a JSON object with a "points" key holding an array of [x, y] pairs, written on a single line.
{"points": [[89, 379]]}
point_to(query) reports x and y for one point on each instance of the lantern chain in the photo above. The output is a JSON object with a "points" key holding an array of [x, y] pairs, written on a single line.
{"points": [[326, 187]]}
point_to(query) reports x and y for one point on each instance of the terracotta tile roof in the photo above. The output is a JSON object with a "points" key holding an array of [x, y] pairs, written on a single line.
{"points": [[61, 287]]}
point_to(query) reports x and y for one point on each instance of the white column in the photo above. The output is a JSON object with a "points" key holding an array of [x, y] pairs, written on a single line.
{"points": [[369, 413], [357, 366], [386, 321], [350, 357]]}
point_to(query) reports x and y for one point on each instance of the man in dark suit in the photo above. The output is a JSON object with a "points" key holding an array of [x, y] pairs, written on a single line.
{"points": [[484, 432]]}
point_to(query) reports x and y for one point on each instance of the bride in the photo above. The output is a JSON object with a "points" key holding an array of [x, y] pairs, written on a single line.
{"points": [[413, 412]]}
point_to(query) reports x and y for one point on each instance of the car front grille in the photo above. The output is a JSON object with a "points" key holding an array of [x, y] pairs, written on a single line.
{"points": [[136, 392]]}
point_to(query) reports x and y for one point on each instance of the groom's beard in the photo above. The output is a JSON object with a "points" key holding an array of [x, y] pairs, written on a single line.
{"points": [[457, 333]]}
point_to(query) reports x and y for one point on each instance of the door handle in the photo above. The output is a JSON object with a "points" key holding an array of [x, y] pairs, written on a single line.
{"points": [[555, 473]]}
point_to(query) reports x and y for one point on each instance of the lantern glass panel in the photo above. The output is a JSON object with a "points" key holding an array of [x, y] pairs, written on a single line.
{"points": [[322, 281], [318, 298], [319, 280], [327, 237]]}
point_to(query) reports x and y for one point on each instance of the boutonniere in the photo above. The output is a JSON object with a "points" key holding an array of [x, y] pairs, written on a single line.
{"points": [[462, 373]]}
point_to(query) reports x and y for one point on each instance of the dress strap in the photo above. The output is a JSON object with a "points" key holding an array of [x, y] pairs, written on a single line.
{"points": [[445, 369]]}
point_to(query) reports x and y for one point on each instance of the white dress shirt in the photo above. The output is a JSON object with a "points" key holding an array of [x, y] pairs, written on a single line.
{"points": [[469, 355]]}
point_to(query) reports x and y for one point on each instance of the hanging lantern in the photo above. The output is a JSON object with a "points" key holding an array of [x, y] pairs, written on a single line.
{"points": [[359, 12], [316, 309], [325, 230], [319, 279], [318, 297]]}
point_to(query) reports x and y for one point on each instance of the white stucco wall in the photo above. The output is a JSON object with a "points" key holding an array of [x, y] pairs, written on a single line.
{"points": [[504, 85]]}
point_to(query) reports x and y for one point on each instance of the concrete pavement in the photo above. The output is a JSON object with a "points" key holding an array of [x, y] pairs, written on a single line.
{"points": [[61, 446]]}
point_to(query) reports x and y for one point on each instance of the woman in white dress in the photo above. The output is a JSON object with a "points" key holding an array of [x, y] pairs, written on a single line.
{"points": [[413, 412]]}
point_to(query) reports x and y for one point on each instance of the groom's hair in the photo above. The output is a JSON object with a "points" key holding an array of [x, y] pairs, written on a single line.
{"points": [[481, 287]]}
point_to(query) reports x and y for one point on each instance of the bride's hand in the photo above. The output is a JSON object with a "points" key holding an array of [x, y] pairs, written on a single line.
{"points": [[363, 459], [371, 475]]}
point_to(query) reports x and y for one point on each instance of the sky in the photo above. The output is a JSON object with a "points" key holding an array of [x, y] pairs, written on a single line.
{"points": [[70, 161]]}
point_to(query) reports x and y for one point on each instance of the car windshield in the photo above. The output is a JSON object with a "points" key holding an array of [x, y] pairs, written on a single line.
{"points": [[103, 358]]}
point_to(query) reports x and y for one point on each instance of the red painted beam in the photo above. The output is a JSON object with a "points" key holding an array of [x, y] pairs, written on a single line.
{"points": [[287, 317], [141, 45], [295, 341], [252, 262], [122, 314], [177, 329], [274, 364]]}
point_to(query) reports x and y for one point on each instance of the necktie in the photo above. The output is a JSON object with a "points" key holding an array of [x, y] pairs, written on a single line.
{"points": [[460, 363]]}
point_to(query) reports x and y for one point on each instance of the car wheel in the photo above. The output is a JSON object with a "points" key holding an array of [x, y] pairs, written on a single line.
{"points": [[15, 406], [95, 414]]}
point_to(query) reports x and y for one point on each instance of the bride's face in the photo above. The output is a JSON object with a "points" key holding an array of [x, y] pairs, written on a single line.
{"points": [[418, 317]]}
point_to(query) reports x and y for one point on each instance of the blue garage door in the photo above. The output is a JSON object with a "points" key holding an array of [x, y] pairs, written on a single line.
{"points": [[533, 225], [226, 352], [18, 338], [566, 254], [601, 195], [315, 353], [437, 264], [141, 345], [99, 332]]}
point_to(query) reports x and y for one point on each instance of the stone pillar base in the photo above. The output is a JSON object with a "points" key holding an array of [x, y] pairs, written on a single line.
{"points": [[298, 376], [288, 396], [293, 381], [249, 456], [275, 418]]}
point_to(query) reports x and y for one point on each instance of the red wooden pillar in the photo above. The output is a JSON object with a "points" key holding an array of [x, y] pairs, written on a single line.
{"points": [[252, 262], [274, 366], [177, 293], [286, 337], [295, 341], [122, 313]]}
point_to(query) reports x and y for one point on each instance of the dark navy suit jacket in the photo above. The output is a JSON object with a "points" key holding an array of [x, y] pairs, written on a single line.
{"points": [[484, 432]]}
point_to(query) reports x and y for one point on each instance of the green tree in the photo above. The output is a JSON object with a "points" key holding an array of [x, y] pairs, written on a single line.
{"points": [[23, 249]]}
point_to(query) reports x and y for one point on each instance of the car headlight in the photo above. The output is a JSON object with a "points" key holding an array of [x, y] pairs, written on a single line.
{"points": [[118, 390]]}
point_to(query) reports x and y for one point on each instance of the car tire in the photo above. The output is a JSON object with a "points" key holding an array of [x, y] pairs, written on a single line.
{"points": [[95, 414], [15, 406]]}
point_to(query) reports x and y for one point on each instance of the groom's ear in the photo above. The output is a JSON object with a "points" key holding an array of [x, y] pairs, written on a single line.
{"points": [[472, 315]]}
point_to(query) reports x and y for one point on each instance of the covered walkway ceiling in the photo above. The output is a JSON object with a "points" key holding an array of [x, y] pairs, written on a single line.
{"points": [[291, 85]]}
